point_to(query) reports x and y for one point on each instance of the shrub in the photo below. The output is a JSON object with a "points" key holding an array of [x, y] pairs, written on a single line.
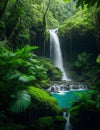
{"points": [[44, 123], [61, 121], [85, 114], [12, 126], [53, 72], [18, 70]]}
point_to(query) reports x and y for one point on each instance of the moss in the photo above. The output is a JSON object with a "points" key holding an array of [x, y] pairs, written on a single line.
{"points": [[42, 103]]}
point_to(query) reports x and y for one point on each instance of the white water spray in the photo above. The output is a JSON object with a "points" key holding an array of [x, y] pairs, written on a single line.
{"points": [[55, 52]]}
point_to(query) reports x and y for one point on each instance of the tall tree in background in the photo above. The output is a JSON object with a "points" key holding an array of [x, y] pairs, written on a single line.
{"points": [[44, 23], [3, 5]]}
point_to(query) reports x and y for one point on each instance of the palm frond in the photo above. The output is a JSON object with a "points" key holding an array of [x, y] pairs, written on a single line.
{"points": [[22, 102]]}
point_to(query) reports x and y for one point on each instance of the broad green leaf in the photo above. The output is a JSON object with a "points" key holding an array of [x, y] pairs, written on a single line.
{"points": [[22, 102], [13, 74], [98, 59], [26, 78]]}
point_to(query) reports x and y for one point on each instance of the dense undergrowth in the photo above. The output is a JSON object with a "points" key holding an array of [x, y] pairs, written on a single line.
{"points": [[23, 76], [86, 112]]}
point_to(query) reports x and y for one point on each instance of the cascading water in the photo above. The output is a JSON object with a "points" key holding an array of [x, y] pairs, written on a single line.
{"points": [[55, 52], [56, 57], [68, 125]]}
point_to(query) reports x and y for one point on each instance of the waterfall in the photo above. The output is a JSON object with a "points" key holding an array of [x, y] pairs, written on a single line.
{"points": [[68, 125], [55, 52]]}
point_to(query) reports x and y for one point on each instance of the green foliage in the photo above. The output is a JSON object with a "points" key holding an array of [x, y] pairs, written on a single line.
{"points": [[83, 63], [86, 111], [22, 66], [98, 59], [45, 123], [86, 101], [42, 103], [83, 59], [60, 11], [50, 123], [51, 21], [18, 70], [53, 72], [82, 66], [81, 22], [20, 16], [89, 3], [22, 102], [67, 0]]}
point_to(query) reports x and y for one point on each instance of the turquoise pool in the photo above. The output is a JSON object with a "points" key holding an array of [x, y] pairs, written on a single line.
{"points": [[66, 99]]}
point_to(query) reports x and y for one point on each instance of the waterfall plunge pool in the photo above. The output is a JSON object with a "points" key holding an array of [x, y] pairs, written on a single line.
{"points": [[67, 98]]}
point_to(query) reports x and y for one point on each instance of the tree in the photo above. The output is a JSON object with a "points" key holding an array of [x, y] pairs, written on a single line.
{"points": [[89, 3], [92, 3], [3, 4]]}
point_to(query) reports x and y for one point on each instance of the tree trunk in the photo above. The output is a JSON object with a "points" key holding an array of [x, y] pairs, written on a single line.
{"points": [[13, 19], [3, 4], [44, 24], [98, 27]]}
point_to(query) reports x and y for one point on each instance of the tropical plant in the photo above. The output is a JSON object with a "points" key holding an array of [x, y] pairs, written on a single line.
{"points": [[21, 72], [18, 70], [85, 112]]}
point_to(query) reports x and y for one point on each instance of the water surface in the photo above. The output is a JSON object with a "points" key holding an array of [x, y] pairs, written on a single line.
{"points": [[66, 99]]}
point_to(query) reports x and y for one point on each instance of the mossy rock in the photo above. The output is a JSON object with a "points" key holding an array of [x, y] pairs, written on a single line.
{"points": [[42, 103]]}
